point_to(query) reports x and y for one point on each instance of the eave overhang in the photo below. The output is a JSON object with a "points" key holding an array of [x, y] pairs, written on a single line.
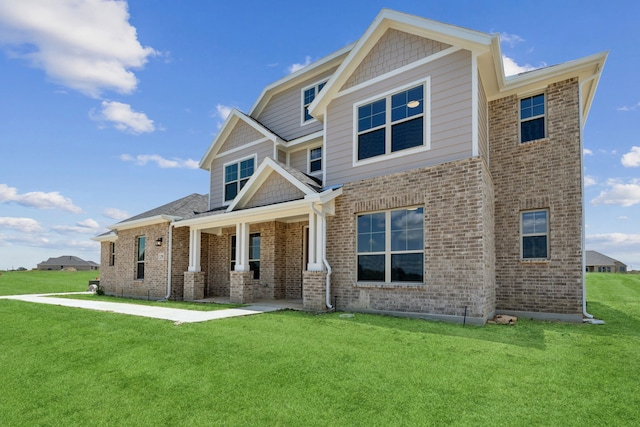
{"points": [[144, 222]]}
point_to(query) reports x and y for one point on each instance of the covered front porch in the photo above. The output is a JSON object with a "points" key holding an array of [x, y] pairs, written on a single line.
{"points": [[265, 253]]}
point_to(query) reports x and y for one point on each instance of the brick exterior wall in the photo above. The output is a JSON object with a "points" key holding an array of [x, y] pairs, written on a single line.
{"points": [[120, 279], [315, 290], [281, 263], [544, 174], [457, 198]]}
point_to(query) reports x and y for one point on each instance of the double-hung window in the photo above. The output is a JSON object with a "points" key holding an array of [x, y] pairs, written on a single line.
{"points": [[532, 113], [535, 234], [391, 124], [315, 160], [308, 95], [140, 246], [236, 176], [390, 246], [254, 254]]}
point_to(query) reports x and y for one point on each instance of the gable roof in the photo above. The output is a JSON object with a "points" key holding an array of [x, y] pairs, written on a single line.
{"points": [[596, 258], [227, 127], [67, 260], [183, 208], [486, 50], [390, 19], [302, 182]]}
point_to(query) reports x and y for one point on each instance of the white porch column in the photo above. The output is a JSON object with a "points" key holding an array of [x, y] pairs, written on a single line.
{"points": [[195, 243], [242, 247], [315, 248]]}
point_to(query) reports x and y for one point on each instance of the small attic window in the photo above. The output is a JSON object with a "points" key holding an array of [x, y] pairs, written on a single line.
{"points": [[308, 95]]}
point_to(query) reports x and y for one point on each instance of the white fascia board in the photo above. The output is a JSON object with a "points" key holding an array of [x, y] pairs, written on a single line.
{"points": [[582, 68], [226, 129], [111, 237], [324, 197], [302, 74], [312, 137], [144, 222], [253, 215], [456, 36], [258, 178]]}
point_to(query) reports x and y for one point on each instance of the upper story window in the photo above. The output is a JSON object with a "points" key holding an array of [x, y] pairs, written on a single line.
{"points": [[308, 95], [391, 124], [535, 234], [236, 176], [141, 247], [391, 246], [532, 122], [315, 160]]}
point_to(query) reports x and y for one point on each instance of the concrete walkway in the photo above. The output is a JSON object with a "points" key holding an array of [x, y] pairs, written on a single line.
{"points": [[173, 314]]}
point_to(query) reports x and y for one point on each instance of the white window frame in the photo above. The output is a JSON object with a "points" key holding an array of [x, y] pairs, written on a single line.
{"points": [[426, 138], [546, 234], [387, 245], [303, 120], [224, 175], [112, 254], [138, 261], [309, 160], [520, 120]]}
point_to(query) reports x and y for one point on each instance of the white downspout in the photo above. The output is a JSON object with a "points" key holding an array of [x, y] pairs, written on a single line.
{"points": [[588, 317], [169, 262], [324, 255]]}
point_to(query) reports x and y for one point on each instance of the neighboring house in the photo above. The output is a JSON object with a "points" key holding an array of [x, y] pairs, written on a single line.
{"points": [[597, 262], [67, 261], [403, 174]]}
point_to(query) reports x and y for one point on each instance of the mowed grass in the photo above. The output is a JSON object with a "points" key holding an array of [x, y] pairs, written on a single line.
{"points": [[42, 282], [64, 366]]}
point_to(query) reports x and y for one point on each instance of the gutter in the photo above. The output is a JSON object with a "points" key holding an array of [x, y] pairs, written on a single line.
{"points": [[324, 255], [169, 261], [588, 318]]}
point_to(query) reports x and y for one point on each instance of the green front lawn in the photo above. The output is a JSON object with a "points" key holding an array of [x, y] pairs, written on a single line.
{"points": [[43, 282], [64, 366]]}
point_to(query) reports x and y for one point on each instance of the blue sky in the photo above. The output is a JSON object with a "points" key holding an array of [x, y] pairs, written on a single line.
{"points": [[107, 107]]}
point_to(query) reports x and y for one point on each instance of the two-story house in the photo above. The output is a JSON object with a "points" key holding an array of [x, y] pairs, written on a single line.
{"points": [[403, 174]]}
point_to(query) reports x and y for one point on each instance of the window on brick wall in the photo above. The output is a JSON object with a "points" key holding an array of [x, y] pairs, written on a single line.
{"points": [[112, 253], [532, 118], [391, 246], [534, 229], [391, 124], [254, 254], [140, 255]]}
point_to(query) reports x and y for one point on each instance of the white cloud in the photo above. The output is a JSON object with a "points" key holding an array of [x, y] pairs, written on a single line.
{"points": [[143, 159], [629, 107], [295, 67], [623, 217], [114, 213], [222, 111], [27, 225], [37, 199], [88, 226], [619, 193], [632, 158], [510, 39], [124, 118], [86, 45], [511, 67], [589, 181], [27, 239], [587, 152], [614, 239]]}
